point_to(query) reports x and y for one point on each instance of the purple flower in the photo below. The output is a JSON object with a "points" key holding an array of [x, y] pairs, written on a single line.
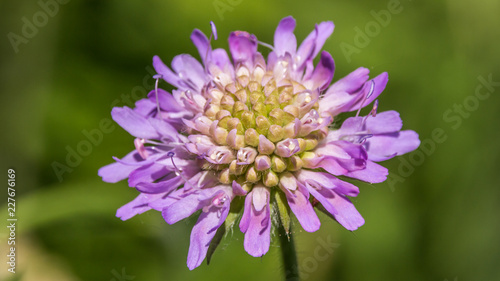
{"points": [[242, 137]]}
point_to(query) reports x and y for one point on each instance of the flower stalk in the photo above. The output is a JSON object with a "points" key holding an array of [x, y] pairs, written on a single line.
{"points": [[289, 255]]}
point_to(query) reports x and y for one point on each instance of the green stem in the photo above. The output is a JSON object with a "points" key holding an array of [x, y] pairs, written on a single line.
{"points": [[291, 268]]}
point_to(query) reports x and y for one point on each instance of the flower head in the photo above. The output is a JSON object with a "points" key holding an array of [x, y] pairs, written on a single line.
{"points": [[244, 135]]}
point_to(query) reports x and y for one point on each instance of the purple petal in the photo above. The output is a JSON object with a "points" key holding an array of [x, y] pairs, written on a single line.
{"points": [[147, 173], [258, 226], [340, 157], [165, 185], [384, 122], [202, 44], [380, 82], [265, 145], [287, 148], [303, 210], [322, 194], [137, 206], [284, 39], [260, 198], [385, 146], [346, 215], [288, 181], [169, 198], [350, 83], [344, 188], [327, 181], [165, 72], [135, 124], [373, 173], [247, 212], [182, 208], [242, 46], [190, 71], [246, 155], [323, 179], [191, 203], [339, 206], [116, 172], [323, 73], [203, 232], [313, 43], [238, 190], [166, 101], [221, 59], [145, 107], [167, 131], [262, 162]]}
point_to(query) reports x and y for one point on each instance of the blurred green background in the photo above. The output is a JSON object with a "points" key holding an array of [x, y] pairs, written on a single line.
{"points": [[436, 219]]}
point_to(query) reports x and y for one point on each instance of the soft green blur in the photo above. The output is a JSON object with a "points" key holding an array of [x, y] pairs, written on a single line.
{"points": [[437, 219]]}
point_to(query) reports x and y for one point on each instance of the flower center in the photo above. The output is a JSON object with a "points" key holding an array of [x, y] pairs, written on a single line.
{"points": [[262, 123]]}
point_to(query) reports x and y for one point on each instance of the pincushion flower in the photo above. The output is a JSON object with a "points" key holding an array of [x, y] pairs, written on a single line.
{"points": [[241, 136]]}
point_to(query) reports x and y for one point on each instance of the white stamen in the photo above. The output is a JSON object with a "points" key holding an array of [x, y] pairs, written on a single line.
{"points": [[156, 95], [372, 88]]}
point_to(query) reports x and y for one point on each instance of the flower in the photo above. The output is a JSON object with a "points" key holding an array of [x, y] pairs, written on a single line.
{"points": [[240, 137]]}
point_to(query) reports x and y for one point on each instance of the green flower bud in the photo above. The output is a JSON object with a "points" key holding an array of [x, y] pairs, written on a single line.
{"points": [[293, 110], [306, 157], [272, 102], [235, 169], [243, 80], [248, 119], [262, 124], [223, 122], [276, 116], [270, 179], [294, 163], [254, 86], [252, 137], [227, 103], [276, 133], [234, 140], [269, 87], [302, 145], [238, 108], [216, 95], [277, 164], [311, 144], [256, 97], [218, 134], [221, 114], [241, 180], [252, 175], [231, 88], [241, 95], [212, 111], [260, 109], [225, 177], [234, 123], [289, 131]]}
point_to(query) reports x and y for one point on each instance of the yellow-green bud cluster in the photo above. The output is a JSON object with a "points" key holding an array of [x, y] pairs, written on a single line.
{"points": [[251, 116]]}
